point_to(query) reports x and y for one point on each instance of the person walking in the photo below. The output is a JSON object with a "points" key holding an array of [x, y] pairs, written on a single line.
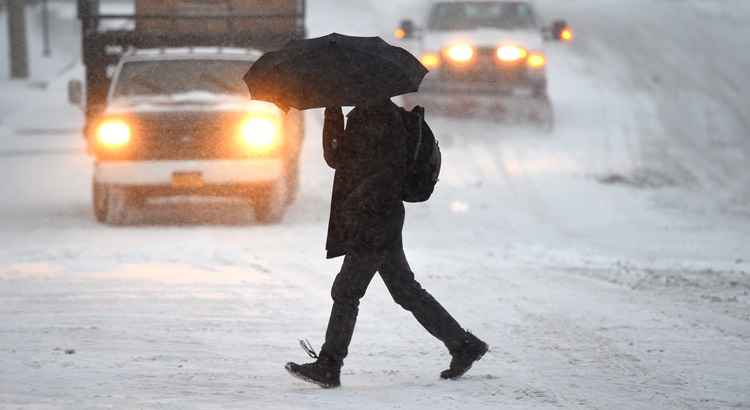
{"points": [[370, 156]]}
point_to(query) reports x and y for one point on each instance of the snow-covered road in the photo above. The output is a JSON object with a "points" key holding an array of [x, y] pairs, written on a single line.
{"points": [[606, 264]]}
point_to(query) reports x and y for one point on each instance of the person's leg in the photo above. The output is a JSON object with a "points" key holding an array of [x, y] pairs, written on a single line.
{"points": [[348, 288], [465, 348], [407, 292]]}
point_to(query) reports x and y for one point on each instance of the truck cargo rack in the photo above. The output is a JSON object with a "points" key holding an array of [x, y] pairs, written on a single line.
{"points": [[103, 44]]}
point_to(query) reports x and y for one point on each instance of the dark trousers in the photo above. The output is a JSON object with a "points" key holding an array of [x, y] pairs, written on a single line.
{"points": [[350, 286]]}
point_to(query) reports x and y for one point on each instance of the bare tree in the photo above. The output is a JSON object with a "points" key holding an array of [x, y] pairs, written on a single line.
{"points": [[19, 53]]}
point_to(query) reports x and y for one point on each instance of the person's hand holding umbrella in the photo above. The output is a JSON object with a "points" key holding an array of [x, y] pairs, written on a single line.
{"points": [[333, 132]]}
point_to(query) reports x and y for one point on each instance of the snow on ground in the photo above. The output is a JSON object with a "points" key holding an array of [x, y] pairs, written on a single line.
{"points": [[606, 264]]}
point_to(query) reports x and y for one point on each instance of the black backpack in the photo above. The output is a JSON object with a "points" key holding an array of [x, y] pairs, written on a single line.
{"points": [[425, 159]]}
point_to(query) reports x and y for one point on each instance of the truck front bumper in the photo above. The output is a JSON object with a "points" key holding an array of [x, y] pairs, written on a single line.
{"points": [[520, 106], [189, 175], [519, 86]]}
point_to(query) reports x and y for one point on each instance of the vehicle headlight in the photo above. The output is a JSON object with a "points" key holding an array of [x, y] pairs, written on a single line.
{"points": [[567, 34], [536, 60], [261, 134], [113, 133], [430, 60], [511, 53], [460, 53]]}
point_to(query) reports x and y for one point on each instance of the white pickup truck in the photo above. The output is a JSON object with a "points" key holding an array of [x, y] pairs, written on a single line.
{"points": [[167, 112], [485, 57], [181, 122]]}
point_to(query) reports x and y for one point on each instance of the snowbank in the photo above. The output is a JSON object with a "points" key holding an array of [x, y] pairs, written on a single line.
{"points": [[46, 87]]}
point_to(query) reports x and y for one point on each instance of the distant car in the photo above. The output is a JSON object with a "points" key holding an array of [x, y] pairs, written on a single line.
{"points": [[485, 57], [181, 122]]}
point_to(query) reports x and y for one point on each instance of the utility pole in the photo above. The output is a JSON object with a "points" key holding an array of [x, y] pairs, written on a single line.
{"points": [[45, 29], [19, 53]]}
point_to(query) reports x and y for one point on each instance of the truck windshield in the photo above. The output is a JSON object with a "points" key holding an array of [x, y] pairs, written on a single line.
{"points": [[473, 15], [177, 77]]}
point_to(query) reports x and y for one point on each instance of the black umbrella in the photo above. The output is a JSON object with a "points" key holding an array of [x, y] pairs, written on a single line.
{"points": [[334, 70]]}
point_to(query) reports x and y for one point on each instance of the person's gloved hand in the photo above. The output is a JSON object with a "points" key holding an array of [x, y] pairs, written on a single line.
{"points": [[334, 121], [333, 130]]}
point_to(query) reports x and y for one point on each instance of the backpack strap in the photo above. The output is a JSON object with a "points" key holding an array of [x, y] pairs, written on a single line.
{"points": [[419, 110]]}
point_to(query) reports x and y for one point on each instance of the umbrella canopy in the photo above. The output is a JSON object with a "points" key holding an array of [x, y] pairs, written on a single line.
{"points": [[335, 70]]}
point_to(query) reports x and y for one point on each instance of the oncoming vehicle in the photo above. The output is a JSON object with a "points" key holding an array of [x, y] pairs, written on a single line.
{"points": [[485, 57], [167, 111]]}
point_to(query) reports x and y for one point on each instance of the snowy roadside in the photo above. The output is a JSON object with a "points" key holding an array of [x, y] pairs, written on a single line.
{"points": [[696, 134], [592, 292], [29, 108]]}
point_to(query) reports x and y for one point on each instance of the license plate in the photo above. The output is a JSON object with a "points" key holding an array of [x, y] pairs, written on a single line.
{"points": [[187, 180]]}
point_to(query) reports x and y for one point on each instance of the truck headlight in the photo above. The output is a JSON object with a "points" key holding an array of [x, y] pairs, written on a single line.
{"points": [[567, 34], [460, 53], [536, 60], [261, 135], [430, 60], [113, 133], [511, 53]]}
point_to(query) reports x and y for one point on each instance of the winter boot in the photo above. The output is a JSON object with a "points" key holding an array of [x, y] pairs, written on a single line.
{"points": [[464, 357], [324, 371]]}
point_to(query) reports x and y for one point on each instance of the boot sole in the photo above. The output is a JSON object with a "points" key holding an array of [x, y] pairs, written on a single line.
{"points": [[310, 380], [458, 376]]}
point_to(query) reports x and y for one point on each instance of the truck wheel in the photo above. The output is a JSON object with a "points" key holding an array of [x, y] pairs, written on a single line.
{"points": [[548, 125], [120, 203], [270, 203], [543, 117], [540, 92], [99, 202], [292, 183]]}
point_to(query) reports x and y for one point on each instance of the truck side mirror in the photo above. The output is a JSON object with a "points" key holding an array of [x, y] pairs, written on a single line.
{"points": [[75, 93], [406, 30], [560, 31]]}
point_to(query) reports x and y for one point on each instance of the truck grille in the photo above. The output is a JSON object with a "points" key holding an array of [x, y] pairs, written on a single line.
{"points": [[185, 136], [486, 70]]}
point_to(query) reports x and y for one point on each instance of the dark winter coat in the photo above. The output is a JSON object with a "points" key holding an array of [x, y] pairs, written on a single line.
{"points": [[370, 160]]}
